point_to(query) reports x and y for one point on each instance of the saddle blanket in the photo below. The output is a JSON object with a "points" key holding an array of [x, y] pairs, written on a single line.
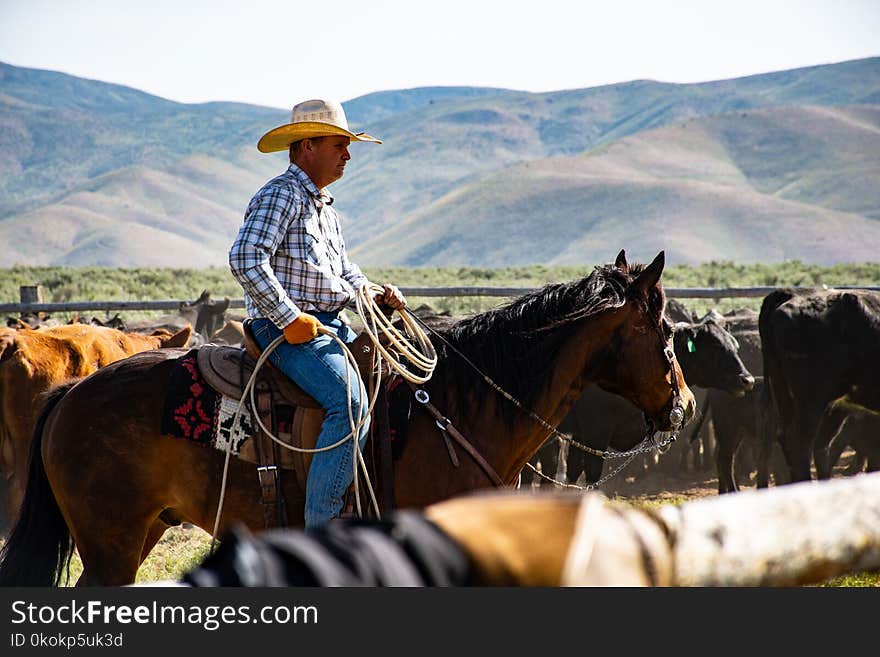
{"points": [[194, 411]]}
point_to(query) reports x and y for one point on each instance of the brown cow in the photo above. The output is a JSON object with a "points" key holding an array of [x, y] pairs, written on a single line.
{"points": [[32, 361]]}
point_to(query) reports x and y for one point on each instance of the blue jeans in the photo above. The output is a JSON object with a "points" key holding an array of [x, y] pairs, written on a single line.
{"points": [[318, 367]]}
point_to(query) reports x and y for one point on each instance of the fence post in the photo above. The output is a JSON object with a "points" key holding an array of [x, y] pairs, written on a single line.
{"points": [[30, 293]]}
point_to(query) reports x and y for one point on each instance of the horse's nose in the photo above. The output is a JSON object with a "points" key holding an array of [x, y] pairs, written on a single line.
{"points": [[747, 380]]}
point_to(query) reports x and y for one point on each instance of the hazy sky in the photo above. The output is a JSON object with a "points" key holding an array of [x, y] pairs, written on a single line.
{"points": [[277, 53]]}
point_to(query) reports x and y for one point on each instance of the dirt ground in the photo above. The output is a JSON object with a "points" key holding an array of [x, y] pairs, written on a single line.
{"points": [[653, 484], [663, 480]]}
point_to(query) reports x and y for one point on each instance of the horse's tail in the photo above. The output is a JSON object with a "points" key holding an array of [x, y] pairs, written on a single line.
{"points": [[39, 547]]}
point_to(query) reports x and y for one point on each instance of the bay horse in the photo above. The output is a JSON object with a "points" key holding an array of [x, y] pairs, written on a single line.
{"points": [[104, 479]]}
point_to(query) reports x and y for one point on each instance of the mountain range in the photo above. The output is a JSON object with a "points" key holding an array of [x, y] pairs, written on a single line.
{"points": [[764, 168]]}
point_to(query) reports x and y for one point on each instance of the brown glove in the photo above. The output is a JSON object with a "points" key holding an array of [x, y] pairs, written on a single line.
{"points": [[302, 329]]}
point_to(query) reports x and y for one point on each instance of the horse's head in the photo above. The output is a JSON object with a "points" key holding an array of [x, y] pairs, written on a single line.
{"points": [[642, 366]]}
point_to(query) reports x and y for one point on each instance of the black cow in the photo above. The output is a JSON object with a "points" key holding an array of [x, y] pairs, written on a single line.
{"points": [[737, 419], [820, 347], [740, 422], [708, 357], [713, 434]]}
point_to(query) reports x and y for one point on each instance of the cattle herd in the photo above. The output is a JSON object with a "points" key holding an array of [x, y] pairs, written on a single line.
{"points": [[782, 393]]}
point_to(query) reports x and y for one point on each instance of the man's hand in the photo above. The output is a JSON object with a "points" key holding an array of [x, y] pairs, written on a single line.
{"points": [[391, 297], [302, 329]]}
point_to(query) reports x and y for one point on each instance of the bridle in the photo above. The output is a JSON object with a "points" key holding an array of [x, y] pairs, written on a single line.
{"points": [[676, 413], [652, 440]]}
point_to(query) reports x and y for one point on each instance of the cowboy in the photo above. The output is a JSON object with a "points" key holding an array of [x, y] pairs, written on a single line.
{"points": [[290, 258]]}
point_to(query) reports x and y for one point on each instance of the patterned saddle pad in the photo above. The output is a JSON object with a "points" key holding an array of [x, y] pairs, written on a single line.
{"points": [[196, 412]]}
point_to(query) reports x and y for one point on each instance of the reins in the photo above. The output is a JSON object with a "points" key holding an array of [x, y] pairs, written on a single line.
{"points": [[445, 425]]}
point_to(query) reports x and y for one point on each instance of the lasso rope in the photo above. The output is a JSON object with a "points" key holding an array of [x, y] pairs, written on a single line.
{"points": [[423, 360]]}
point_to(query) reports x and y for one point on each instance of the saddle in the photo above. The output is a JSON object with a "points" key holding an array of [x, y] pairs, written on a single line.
{"points": [[228, 369], [292, 414]]}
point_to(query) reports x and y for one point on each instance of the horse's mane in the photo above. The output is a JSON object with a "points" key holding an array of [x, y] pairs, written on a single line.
{"points": [[517, 345]]}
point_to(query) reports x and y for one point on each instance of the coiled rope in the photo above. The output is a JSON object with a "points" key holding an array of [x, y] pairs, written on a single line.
{"points": [[422, 360]]}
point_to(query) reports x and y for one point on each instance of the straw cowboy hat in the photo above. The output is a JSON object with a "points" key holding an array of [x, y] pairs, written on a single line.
{"points": [[310, 118]]}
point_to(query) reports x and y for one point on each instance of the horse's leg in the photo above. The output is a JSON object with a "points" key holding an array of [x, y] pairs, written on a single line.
{"points": [[110, 532], [113, 537], [157, 529], [112, 555]]}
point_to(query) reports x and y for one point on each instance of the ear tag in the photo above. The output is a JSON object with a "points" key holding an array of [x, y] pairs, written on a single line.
{"points": [[691, 346]]}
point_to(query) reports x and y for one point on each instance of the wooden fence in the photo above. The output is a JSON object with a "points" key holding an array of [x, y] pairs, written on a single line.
{"points": [[31, 301]]}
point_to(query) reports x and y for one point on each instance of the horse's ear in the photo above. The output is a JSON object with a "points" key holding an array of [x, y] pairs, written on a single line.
{"points": [[651, 274], [620, 262]]}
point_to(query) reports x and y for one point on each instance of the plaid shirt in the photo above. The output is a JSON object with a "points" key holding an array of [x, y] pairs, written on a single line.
{"points": [[289, 255]]}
